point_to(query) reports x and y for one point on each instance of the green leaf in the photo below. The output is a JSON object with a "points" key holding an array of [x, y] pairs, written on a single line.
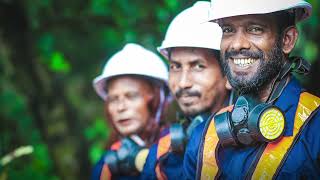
{"points": [[59, 63], [100, 7], [311, 52]]}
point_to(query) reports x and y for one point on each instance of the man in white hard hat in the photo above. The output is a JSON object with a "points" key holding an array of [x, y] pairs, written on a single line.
{"points": [[271, 132], [196, 81], [133, 85]]}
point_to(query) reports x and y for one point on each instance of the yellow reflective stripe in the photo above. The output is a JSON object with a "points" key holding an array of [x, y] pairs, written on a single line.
{"points": [[209, 167], [272, 156], [209, 164]]}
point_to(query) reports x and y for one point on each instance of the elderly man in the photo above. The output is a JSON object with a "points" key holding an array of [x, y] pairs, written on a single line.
{"points": [[272, 130], [195, 80]]}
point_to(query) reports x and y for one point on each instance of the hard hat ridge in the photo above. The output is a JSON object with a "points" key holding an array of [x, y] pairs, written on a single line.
{"points": [[190, 29], [133, 59]]}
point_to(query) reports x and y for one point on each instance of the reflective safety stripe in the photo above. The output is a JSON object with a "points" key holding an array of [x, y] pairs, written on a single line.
{"points": [[274, 153], [163, 147], [115, 146], [105, 173], [209, 167]]}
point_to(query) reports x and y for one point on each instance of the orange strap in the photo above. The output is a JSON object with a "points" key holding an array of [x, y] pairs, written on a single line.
{"points": [[115, 146], [105, 173], [275, 152], [163, 147], [209, 167]]}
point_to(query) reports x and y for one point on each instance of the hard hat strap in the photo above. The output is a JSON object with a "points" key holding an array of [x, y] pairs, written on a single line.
{"points": [[161, 105]]}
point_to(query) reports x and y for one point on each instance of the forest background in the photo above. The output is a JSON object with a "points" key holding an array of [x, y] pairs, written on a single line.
{"points": [[50, 50]]}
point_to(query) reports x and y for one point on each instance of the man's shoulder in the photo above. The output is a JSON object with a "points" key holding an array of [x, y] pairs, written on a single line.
{"points": [[201, 127]]}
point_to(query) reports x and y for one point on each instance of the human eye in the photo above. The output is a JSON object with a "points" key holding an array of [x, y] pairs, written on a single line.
{"points": [[112, 99], [199, 67], [227, 29], [132, 95], [255, 29], [175, 67]]}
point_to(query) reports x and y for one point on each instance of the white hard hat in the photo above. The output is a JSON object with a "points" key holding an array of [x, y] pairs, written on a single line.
{"points": [[228, 8], [190, 29], [133, 59]]}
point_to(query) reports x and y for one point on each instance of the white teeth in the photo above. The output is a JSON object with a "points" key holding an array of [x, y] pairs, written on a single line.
{"points": [[243, 62]]}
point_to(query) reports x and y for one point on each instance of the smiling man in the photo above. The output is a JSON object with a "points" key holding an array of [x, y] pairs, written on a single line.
{"points": [[272, 130]]}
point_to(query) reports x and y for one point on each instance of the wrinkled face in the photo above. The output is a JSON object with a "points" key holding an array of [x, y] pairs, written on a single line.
{"points": [[195, 79], [127, 104], [251, 51]]}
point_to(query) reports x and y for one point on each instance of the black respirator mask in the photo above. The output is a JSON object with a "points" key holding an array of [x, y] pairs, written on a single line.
{"points": [[251, 121], [129, 159], [181, 132]]}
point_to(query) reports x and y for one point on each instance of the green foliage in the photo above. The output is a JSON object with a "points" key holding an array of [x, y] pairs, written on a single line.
{"points": [[97, 133], [58, 63], [37, 165], [68, 43]]}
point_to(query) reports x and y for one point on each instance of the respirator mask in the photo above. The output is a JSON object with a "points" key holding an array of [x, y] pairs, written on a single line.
{"points": [[181, 132], [251, 121], [128, 159]]}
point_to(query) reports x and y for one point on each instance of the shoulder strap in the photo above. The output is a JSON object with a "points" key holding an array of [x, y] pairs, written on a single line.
{"points": [[209, 167], [163, 148], [105, 173], [115, 146], [275, 153]]}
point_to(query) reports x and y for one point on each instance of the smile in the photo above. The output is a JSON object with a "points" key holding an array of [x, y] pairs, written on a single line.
{"points": [[242, 62]]}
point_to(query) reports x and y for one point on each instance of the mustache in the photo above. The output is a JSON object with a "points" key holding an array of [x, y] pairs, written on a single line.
{"points": [[244, 52], [187, 92]]}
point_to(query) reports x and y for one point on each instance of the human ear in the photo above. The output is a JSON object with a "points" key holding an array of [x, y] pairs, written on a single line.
{"points": [[289, 38], [228, 85]]}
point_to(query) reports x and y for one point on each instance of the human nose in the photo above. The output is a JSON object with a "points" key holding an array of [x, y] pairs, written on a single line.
{"points": [[240, 42], [184, 81], [122, 105]]}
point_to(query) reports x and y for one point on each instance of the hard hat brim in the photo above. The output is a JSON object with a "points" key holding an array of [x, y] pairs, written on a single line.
{"points": [[304, 8]]}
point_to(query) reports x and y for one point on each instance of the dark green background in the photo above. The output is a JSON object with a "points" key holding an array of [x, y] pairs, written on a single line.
{"points": [[50, 50]]}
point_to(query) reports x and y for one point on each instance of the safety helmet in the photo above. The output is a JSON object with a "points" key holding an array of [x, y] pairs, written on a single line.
{"points": [[228, 8], [133, 59], [190, 29]]}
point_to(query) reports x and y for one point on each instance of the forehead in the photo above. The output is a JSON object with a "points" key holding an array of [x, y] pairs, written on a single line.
{"points": [[127, 83], [261, 19], [190, 54]]}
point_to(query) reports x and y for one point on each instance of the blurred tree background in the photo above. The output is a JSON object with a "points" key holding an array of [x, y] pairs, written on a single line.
{"points": [[50, 50]]}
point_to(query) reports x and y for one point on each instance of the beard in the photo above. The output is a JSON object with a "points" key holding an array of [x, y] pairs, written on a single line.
{"points": [[267, 70]]}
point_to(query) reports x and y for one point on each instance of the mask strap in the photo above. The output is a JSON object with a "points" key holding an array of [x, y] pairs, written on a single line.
{"points": [[295, 64], [137, 139], [282, 79]]}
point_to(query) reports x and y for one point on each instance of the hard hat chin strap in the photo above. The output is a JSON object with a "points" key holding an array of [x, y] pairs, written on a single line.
{"points": [[161, 105]]}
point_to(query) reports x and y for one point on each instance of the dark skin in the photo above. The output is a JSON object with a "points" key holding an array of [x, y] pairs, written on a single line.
{"points": [[254, 33], [196, 80]]}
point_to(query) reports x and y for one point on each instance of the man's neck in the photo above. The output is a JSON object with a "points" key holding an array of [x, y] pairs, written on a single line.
{"points": [[221, 102], [265, 92]]}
